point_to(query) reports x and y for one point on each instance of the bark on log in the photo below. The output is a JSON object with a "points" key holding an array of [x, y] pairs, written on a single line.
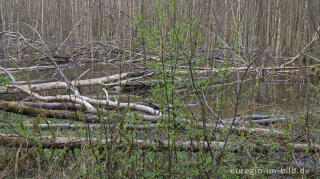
{"points": [[238, 130], [62, 114], [45, 66], [233, 69], [12, 140], [263, 121], [31, 111], [87, 102], [214, 70], [62, 85], [79, 83], [84, 126], [79, 116], [52, 106], [77, 98], [132, 106], [268, 121]]}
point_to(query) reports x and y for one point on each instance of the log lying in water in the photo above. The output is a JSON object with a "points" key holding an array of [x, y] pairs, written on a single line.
{"points": [[64, 114], [79, 116], [263, 121], [91, 126], [52, 106], [31, 111], [88, 102], [214, 70], [12, 140], [44, 66], [62, 85], [239, 130], [268, 120]]}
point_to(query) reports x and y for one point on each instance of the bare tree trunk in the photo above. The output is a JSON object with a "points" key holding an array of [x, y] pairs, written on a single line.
{"points": [[278, 40]]}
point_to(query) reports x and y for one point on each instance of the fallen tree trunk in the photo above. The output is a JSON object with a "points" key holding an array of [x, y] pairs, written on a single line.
{"points": [[31, 111], [63, 114], [267, 121], [215, 70], [60, 98], [12, 140], [79, 116], [38, 68], [84, 126], [88, 102], [239, 69], [137, 127], [52, 106], [62, 85], [238, 130], [41, 67], [264, 121]]}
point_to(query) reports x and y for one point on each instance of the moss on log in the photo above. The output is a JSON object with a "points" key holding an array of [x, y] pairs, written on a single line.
{"points": [[31, 111]]}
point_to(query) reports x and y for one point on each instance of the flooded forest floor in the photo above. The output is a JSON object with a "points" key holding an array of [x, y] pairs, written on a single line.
{"points": [[274, 116], [175, 89]]}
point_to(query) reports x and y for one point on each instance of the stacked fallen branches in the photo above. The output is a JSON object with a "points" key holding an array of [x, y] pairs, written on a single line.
{"points": [[77, 98], [78, 107], [87, 109], [86, 104], [16, 107]]}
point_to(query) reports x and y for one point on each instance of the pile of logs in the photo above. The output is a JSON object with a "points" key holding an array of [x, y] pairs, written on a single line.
{"points": [[77, 107]]}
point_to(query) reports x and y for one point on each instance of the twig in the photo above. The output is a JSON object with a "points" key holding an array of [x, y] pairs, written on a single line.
{"points": [[83, 73], [9, 74], [212, 112], [75, 90], [74, 28]]}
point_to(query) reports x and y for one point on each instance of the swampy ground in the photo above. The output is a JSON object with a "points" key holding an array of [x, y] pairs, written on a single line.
{"points": [[172, 89]]}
